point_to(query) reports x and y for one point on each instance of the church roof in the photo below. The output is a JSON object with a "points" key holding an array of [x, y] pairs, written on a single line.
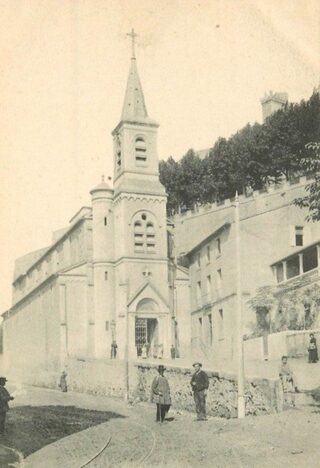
{"points": [[207, 239], [22, 264], [134, 107]]}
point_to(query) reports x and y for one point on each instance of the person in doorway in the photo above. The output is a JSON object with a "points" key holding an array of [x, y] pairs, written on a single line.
{"points": [[160, 352], [200, 384], [173, 352], [155, 351], [63, 382], [160, 394], [144, 351], [5, 397], [313, 349], [288, 381]]}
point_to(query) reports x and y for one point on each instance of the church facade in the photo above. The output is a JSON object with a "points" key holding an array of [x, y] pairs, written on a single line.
{"points": [[108, 281]]}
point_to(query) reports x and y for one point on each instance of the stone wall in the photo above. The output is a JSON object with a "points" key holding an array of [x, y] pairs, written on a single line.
{"points": [[108, 377], [262, 396], [97, 376]]}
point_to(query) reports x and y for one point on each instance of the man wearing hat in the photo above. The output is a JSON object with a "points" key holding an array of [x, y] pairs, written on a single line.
{"points": [[4, 407], [160, 394], [200, 383]]}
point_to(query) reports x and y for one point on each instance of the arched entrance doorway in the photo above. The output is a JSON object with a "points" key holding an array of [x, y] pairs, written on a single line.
{"points": [[147, 329]]}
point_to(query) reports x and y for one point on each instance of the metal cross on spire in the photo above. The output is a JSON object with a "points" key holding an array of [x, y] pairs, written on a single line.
{"points": [[133, 36]]}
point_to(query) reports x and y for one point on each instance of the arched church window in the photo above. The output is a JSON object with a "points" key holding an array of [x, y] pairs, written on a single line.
{"points": [[144, 234], [118, 153], [151, 243], [140, 150]]}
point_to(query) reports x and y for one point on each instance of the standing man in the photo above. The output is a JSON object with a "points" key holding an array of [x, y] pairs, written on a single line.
{"points": [[200, 383], [4, 407], [160, 394], [114, 347], [63, 382]]}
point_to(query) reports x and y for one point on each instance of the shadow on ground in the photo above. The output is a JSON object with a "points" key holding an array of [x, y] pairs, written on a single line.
{"points": [[29, 428]]}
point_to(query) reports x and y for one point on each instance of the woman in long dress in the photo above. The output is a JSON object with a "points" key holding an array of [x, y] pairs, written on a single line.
{"points": [[160, 394], [313, 349]]}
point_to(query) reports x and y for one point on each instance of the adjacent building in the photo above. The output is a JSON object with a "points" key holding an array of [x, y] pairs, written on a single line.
{"points": [[277, 244]]}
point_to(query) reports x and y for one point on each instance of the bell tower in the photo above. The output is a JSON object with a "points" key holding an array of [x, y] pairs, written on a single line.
{"points": [[140, 225], [135, 140]]}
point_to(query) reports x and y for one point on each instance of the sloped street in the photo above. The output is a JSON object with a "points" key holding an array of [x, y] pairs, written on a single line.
{"points": [[135, 439]]}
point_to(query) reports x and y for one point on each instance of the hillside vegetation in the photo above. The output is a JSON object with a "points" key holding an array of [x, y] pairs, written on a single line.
{"points": [[255, 156]]}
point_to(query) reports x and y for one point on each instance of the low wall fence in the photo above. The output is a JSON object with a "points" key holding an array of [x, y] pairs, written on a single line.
{"points": [[108, 377], [263, 396], [292, 343]]}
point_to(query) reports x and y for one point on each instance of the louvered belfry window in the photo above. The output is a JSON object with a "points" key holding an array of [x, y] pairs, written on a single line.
{"points": [[144, 234], [141, 150]]}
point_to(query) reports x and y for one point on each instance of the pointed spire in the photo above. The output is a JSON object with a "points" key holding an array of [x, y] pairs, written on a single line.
{"points": [[134, 106]]}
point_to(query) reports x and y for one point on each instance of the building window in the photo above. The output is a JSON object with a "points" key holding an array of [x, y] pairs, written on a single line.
{"points": [[218, 246], [293, 267], [140, 150], [208, 253], [144, 235], [210, 335], [219, 280], [279, 272], [200, 327], [199, 292], [105, 221], [299, 236], [209, 287], [310, 259], [221, 324], [106, 275], [198, 259]]}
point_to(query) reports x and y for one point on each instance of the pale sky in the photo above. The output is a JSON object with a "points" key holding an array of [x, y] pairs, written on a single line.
{"points": [[204, 65]]}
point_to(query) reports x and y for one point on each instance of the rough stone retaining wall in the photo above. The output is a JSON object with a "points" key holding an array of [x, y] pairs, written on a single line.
{"points": [[108, 377], [262, 396]]}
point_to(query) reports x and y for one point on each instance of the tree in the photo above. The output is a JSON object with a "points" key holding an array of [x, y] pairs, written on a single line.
{"points": [[311, 164], [254, 156], [191, 181], [170, 177]]}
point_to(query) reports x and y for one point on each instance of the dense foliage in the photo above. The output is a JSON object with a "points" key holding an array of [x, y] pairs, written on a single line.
{"points": [[255, 156], [280, 308], [311, 163]]}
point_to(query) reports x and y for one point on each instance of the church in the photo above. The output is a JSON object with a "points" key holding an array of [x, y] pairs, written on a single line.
{"points": [[108, 285], [123, 281]]}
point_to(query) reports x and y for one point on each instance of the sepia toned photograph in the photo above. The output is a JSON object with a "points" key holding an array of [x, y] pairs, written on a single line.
{"points": [[160, 235]]}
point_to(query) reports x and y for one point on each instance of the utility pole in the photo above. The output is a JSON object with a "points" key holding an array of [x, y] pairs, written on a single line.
{"points": [[241, 399], [126, 355]]}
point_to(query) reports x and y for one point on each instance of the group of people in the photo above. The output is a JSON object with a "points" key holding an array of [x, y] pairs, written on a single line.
{"points": [[146, 351], [160, 392], [156, 351]]}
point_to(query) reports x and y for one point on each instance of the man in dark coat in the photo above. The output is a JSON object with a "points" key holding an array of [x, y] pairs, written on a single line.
{"points": [[160, 394], [4, 407], [200, 383]]}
